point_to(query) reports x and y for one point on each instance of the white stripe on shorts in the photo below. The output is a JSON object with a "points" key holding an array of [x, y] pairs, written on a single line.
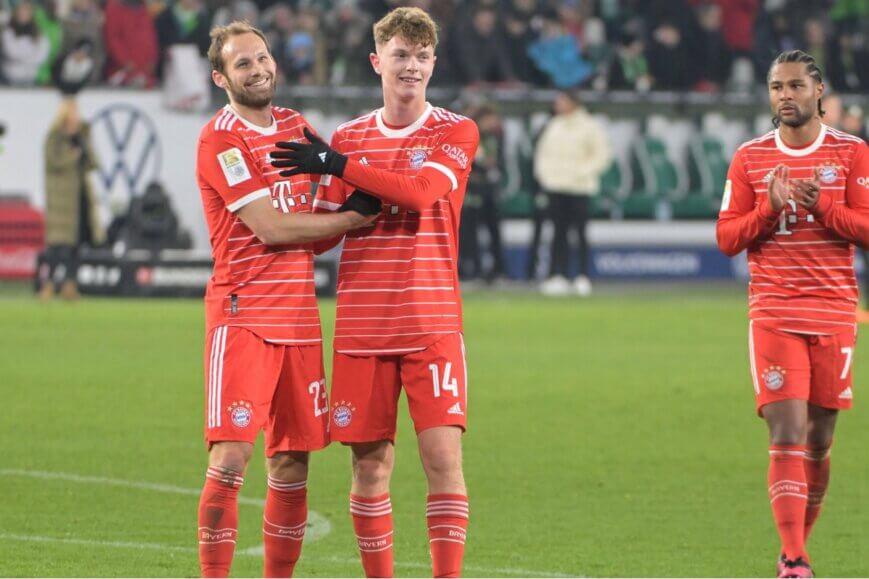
{"points": [[753, 364], [215, 376]]}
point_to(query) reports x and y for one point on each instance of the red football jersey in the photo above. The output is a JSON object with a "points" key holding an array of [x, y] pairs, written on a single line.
{"points": [[398, 285], [801, 261], [268, 290]]}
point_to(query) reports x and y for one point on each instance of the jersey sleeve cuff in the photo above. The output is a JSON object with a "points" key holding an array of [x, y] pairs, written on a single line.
{"points": [[766, 211], [823, 206], [446, 171], [239, 203]]}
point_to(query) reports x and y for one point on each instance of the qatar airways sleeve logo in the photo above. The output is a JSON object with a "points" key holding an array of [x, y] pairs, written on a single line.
{"points": [[456, 154]]}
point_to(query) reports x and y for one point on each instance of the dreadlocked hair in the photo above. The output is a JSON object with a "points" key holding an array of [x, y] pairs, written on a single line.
{"points": [[811, 68]]}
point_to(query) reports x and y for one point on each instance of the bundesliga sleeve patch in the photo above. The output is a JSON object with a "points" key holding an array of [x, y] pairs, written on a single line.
{"points": [[725, 199], [234, 168]]}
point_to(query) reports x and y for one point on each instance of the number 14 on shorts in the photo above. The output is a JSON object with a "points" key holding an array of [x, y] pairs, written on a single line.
{"points": [[446, 384]]}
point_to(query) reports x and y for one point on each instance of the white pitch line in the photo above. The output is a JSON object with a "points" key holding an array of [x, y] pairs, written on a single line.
{"points": [[318, 525], [257, 551]]}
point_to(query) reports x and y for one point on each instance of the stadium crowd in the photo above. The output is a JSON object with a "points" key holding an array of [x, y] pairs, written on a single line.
{"points": [[694, 45]]}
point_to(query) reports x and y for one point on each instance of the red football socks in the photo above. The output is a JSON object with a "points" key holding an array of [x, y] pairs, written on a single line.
{"points": [[372, 520], [818, 477], [218, 521], [284, 520], [447, 516], [788, 495]]}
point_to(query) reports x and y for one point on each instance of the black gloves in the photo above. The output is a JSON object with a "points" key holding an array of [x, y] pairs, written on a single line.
{"points": [[316, 157], [362, 203]]}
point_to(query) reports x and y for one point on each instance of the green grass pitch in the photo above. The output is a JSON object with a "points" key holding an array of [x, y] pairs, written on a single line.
{"points": [[614, 436]]}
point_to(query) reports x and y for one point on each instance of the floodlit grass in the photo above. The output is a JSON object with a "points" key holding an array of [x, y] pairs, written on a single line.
{"points": [[614, 436]]}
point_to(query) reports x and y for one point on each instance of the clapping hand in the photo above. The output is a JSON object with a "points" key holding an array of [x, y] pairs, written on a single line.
{"points": [[806, 192], [778, 189]]}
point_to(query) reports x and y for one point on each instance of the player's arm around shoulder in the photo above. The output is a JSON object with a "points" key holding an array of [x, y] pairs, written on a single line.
{"points": [[227, 165]]}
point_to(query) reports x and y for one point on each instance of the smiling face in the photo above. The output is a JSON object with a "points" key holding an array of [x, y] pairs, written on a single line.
{"points": [[248, 74], [404, 68], [793, 94]]}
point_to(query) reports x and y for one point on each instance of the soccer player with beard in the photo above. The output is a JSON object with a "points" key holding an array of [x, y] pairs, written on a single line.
{"points": [[263, 355], [797, 200], [399, 320]]}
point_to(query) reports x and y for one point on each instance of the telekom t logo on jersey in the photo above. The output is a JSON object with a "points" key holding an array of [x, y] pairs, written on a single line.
{"points": [[282, 196]]}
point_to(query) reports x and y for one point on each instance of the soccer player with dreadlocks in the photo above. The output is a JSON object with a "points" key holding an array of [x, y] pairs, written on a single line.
{"points": [[797, 199]]}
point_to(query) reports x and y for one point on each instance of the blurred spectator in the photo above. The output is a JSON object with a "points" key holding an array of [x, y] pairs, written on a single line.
{"points": [[714, 56], [853, 122], [243, 10], [597, 51], [298, 45], [24, 47], [816, 42], [480, 50], [71, 219], [571, 155], [557, 54], [84, 21], [131, 44], [183, 22], [630, 69], [349, 39], [774, 36], [738, 24], [671, 61], [74, 69], [50, 27], [518, 35], [481, 200]]}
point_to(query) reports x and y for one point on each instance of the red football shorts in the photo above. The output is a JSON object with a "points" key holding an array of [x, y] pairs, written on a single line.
{"points": [[365, 391], [788, 366], [252, 385]]}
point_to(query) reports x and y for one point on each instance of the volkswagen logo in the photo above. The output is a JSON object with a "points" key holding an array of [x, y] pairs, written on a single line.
{"points": [[127, 149]]}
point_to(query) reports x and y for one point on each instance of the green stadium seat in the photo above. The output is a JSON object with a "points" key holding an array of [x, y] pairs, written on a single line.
{"points": [[606, 201], [707, 167], [656, 179]]}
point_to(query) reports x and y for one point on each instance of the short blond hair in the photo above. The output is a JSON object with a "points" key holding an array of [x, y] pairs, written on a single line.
{"points": [[219, 36], [412, 24]]}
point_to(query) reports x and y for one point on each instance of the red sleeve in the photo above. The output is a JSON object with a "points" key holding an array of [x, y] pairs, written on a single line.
{"points": [[332, 192], [225, 164], [445, 171], [740, 223], [851, 220]]}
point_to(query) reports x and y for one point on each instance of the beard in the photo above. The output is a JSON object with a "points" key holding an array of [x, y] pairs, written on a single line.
{"points": [[799, 117], [254, 99]]}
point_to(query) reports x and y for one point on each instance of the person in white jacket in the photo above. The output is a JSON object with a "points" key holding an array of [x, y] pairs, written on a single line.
{"points": [[571, 155], [23, 48]]}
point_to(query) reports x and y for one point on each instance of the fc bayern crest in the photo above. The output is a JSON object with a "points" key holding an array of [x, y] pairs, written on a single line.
{"points": [[828, 174], [774, 378], [342, 414], [240, 412], [417, 158]]}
